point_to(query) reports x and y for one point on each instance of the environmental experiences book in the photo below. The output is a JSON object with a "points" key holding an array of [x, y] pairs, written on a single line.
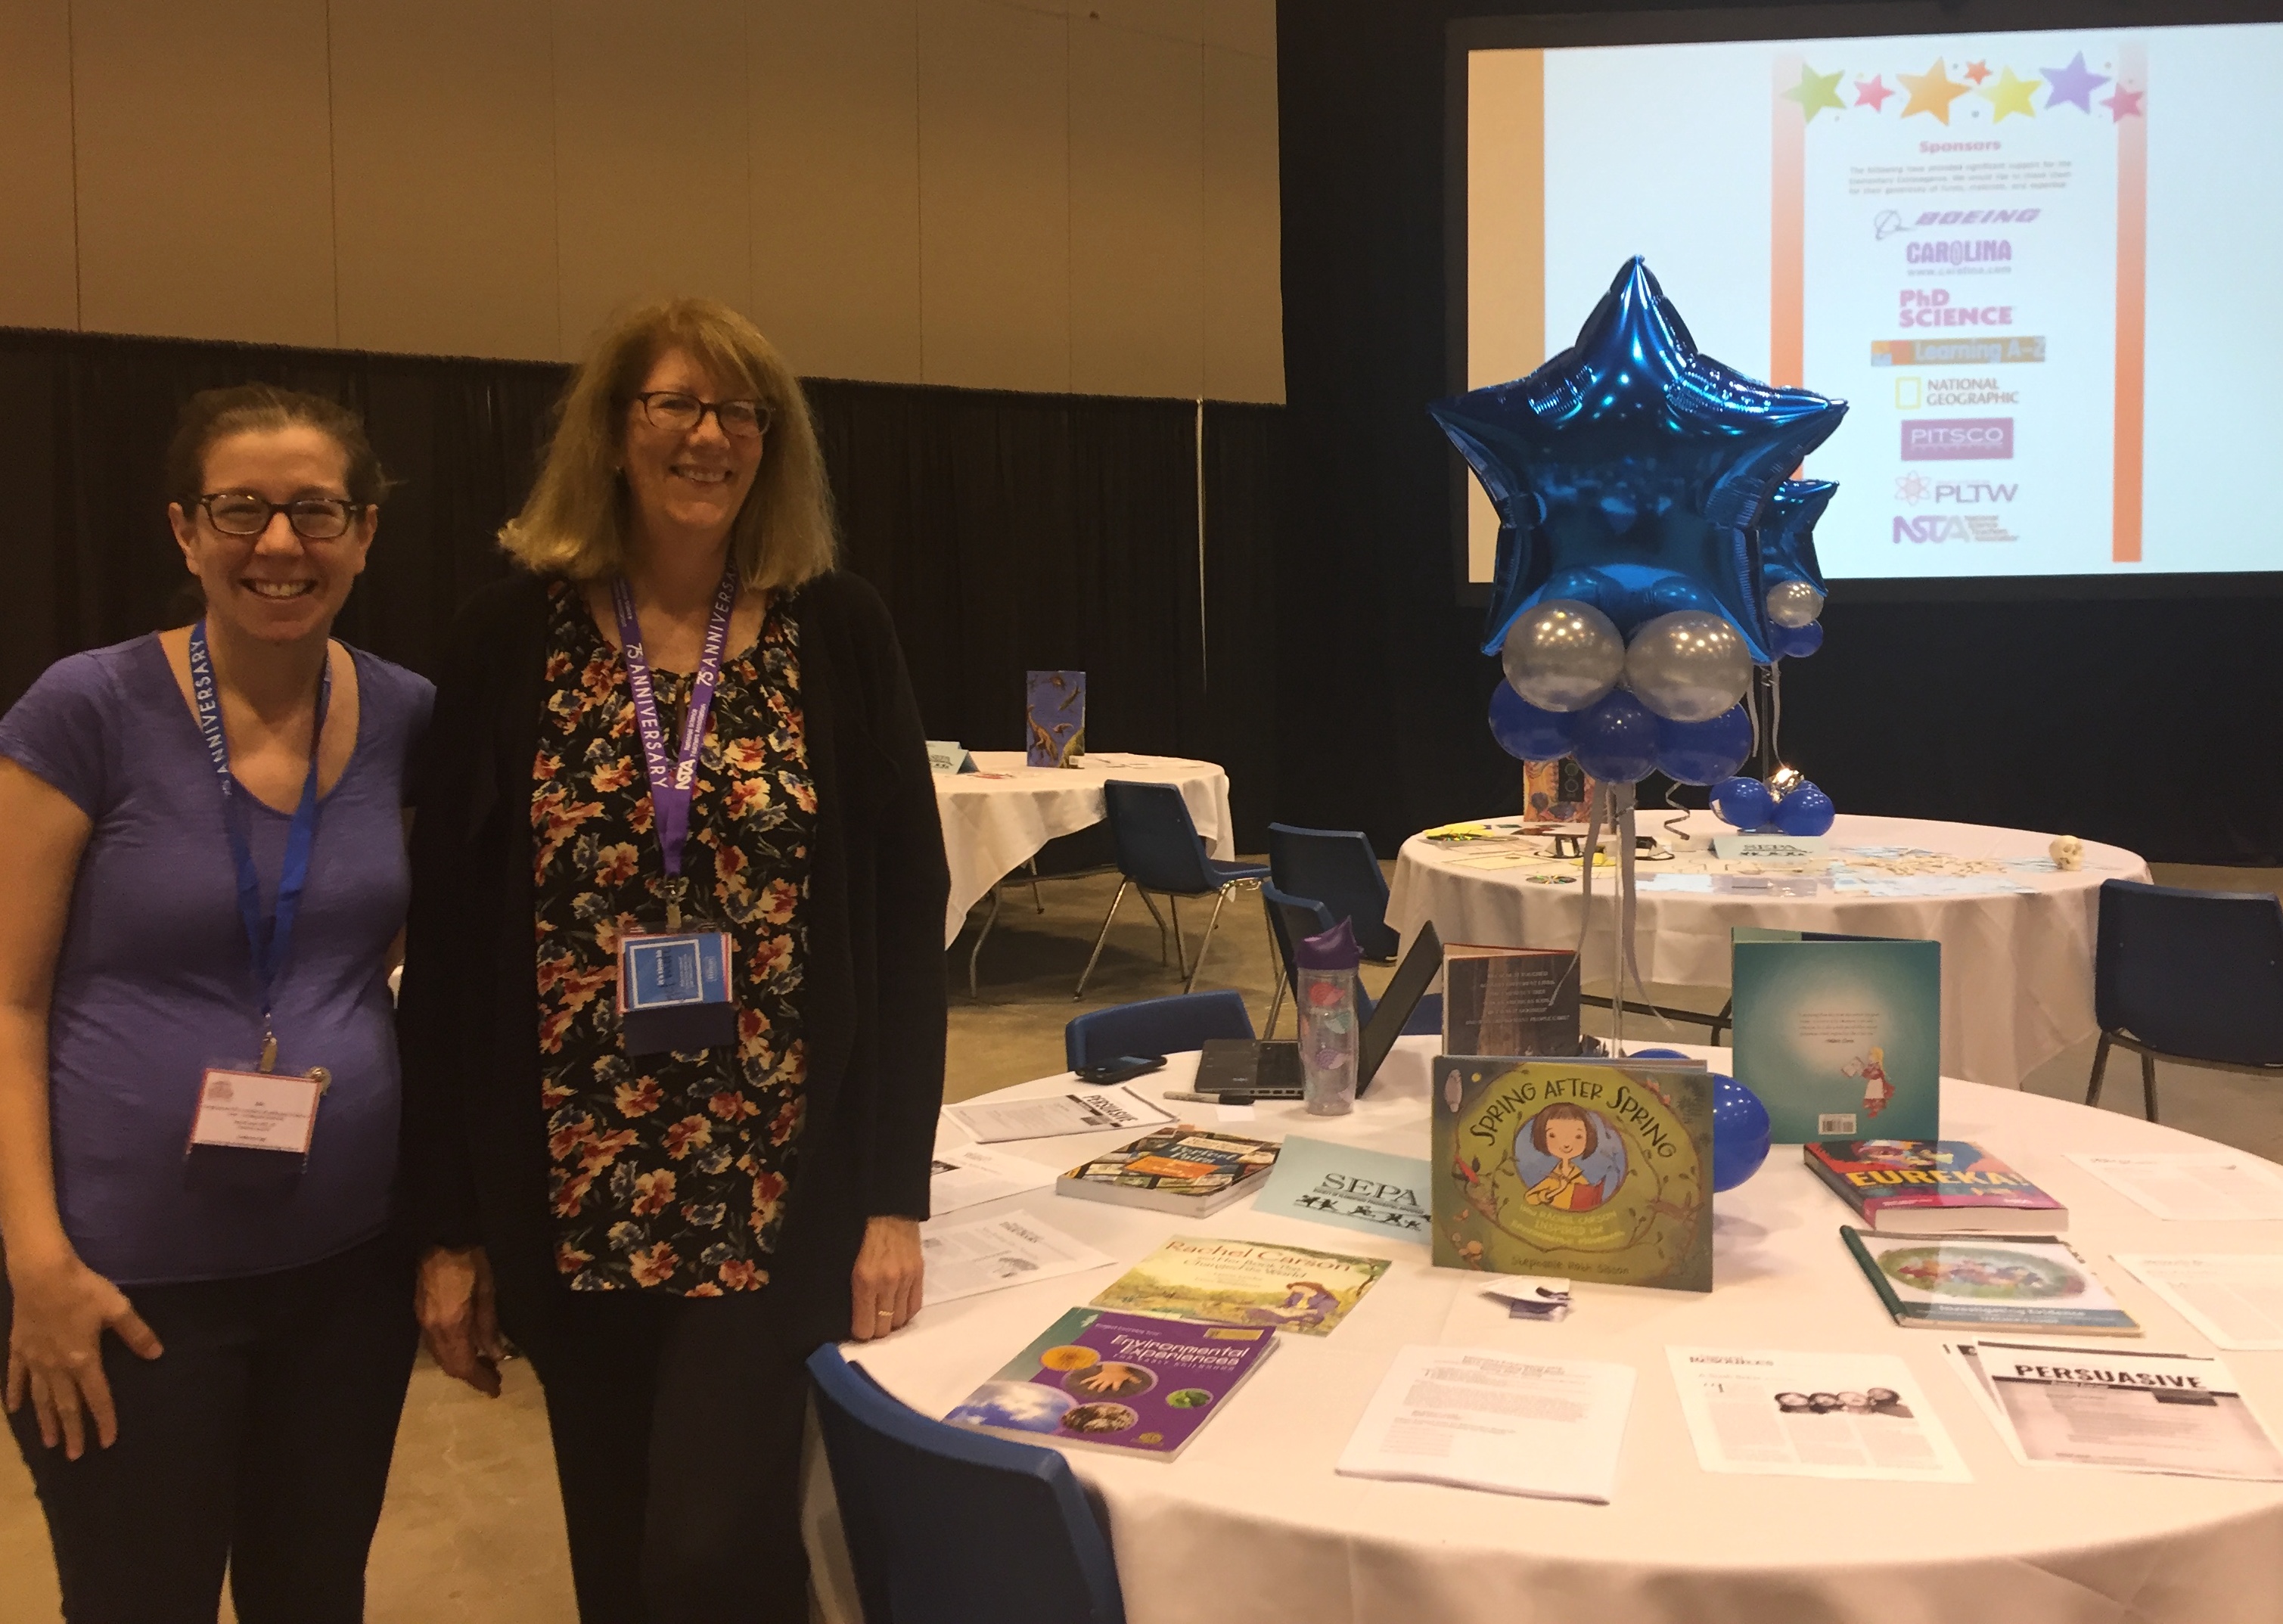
{"points": [[1181, 1169], [1594, 1171], [1934, 1187], [2019, 1283], [1128, 1381], [1244, 1283]]}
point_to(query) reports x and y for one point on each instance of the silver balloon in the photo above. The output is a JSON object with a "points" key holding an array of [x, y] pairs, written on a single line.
{"points": [[1561, 655], [1688, 666], [1793, 602]]}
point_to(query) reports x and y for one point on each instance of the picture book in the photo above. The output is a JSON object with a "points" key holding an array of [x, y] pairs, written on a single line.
{"points": [[1126, 1381], [1055, 717], [1576, 1167], [1366, 1190], [1934, 1187], [1180, 1168], [2021, 1283], [1510, 1000], [1554, 792], [1597, 1170], [1244, 1283], [1839, 1037]]}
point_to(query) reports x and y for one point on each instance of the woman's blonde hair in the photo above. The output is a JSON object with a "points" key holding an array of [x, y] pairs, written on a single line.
{"points": [[575, 522]]}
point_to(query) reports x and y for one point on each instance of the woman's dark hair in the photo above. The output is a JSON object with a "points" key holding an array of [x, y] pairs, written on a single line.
{"points": [[214, 414], [1564, 1113]]}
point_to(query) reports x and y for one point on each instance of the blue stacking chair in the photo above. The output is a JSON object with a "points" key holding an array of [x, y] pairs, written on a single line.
{"points": [[2190, 977], [947, 1524], [1339, 869], [1154, 1026], [1160, 850], [1292, 920]]}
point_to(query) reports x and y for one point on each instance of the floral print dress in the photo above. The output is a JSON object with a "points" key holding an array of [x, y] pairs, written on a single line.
{"points": [[668, 1172]]}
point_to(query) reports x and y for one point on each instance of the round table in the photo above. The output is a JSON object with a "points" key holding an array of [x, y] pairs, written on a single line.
{"points": [[2016, 964], [1252, 1523], [997, 817]]}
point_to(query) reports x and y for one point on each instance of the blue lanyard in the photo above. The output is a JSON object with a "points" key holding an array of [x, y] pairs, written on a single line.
{"points": [[270, 942], [671, 779]]}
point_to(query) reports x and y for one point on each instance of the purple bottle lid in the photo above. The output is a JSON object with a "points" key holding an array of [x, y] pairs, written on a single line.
{"points": [[1331, 950]]}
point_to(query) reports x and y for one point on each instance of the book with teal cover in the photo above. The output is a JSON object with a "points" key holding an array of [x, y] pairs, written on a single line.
{"points": [[1054, 717], [1839, 1037]]}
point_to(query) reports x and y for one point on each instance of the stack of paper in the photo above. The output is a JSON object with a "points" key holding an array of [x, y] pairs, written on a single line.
{"points": [[994, 1121], [2216, 1186], [2235, 1298], [1819, 1415], [963, 1259], [1479, 1417]]}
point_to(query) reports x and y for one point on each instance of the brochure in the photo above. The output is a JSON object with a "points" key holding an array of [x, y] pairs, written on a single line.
{"points": [[963, 1259], [1125, 1381], [1366, 1190], [1938, 1187], [1178, 1169], [2022, 1283], [1510, 1000], [2236, 1299], [1817, 1415], [1839, 1037], [2192, 1186], [2137, 1412], [1598, 1170], [1245, 1283], [971, 1175], [994, 1121], [1480, 1418]]}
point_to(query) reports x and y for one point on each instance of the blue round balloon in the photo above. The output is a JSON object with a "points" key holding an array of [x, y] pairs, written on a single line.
{"points": [[1797, 642], [1805, 812], [1616, 740], [1743, 803], [1674, 593], [1583, 586], [1525, 732], [1739, 1133], [1703, 752]]}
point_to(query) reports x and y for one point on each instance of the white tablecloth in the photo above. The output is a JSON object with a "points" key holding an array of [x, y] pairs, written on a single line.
{"points": [[995, 818], [2016, 967], [1251, 1523]]}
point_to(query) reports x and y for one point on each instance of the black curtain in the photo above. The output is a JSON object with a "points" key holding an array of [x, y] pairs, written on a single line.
{"points": [[1007, 532], [2147, 723]]}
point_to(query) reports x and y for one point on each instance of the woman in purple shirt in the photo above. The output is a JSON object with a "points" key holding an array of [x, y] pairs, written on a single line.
{"points": [[198, 1086]]}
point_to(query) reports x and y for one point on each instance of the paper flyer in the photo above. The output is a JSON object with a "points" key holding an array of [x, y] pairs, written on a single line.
{"points": [[2136, 1411], [2236, 1299], [1819, 1415], [964, 1259], [2193, 1186], [1482, 1418]]}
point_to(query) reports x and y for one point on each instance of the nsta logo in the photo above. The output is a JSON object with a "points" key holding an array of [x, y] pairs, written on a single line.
{"points": [[1919, 527]]}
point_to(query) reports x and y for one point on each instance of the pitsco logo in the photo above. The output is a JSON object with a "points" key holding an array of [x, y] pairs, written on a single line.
{"points": [[1957, 440], [1888, 222], [1931, 307], [1938, 527], [1916, 488], [1959, 251]]}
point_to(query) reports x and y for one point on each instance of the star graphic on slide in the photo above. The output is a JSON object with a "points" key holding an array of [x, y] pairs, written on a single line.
{"points": [[2010, 94], [1977, 71], [1932, 91], [2072, 86], [2123, 104], [1872, 93], [1816, 91]]}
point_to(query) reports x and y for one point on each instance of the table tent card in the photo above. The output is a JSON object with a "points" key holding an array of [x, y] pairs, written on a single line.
{"points": [[1598, 1170], [1839, 1037], [949, 756], [1054, 717], [1366, 1190]]}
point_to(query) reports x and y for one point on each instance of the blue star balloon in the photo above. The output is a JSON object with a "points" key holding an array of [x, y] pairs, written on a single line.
{"points": [[1786, 532], [1630, 470]]}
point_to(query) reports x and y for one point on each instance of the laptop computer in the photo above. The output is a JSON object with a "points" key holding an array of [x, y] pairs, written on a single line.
{"points": [[1255, 1068]]}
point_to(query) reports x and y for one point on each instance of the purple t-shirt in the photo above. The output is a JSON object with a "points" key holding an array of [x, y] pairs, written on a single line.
{"points": [[155, 981]]}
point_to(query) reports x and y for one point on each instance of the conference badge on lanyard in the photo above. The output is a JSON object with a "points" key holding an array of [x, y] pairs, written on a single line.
{"points": [[674, 984], [257, 1108]]}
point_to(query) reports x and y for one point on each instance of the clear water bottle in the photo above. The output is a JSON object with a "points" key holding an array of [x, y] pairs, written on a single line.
{"points": [[1324, 968]]}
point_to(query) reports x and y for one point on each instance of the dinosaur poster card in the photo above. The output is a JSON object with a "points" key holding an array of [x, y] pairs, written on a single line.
{"points": [[1597, 1170], [1055, 720]]}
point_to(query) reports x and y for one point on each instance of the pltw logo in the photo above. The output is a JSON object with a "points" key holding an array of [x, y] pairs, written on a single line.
{"points": [[1915, 488], [1957, 440]]}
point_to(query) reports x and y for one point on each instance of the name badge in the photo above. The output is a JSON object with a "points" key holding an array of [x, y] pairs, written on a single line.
{"points": [[257, 1110], [674, 991]]}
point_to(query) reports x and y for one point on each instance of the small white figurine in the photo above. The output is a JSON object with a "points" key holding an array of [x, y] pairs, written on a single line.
{"points": [[2068, 853]]}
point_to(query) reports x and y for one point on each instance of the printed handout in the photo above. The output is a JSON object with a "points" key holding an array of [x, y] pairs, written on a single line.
{"points": [[963, 1259], [2135, 1411], [1366, 1190], [2236, 1299], [2210, 1185], [1480, 1418], [1817, 1414], [971, 1175], [994, 1121]]}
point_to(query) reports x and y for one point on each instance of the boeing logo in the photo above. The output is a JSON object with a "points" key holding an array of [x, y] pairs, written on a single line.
{"points": [[1888, 222]]}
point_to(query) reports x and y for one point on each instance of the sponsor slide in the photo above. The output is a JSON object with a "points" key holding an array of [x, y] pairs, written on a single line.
{"points": [[2033, 264]]}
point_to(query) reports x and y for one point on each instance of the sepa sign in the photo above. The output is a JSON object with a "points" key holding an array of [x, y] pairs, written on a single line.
{"points": [[1952, 439]]}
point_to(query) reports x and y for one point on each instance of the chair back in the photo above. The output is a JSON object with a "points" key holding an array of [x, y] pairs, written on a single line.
{"points": [[947, 1524], [1339, 868], [2195, 973], [1158, 847], [1291, 920], [1154, 1026]]}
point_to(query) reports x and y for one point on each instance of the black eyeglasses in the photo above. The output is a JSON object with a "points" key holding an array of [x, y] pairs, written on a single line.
{"points": [[314, 519], [680, 414]]}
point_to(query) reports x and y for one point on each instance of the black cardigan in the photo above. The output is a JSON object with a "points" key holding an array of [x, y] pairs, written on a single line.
{"points": [[474, 1167]]}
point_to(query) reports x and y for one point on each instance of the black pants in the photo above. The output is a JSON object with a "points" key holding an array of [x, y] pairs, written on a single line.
{"points": [[259, 1441], [677, 1426]]}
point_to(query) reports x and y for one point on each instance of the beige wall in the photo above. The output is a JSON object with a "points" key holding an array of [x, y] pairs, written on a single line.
{"points": [[1048, 195]]}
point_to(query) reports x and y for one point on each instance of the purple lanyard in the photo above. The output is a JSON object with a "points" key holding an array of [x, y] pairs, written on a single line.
{"points": [[670, 782]]}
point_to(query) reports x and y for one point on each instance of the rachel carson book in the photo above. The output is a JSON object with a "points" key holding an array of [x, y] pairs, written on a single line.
{"points": [[1596, 1170]]}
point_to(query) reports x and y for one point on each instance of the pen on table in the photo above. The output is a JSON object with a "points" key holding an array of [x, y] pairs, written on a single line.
{"points": [[1210, 1098]]}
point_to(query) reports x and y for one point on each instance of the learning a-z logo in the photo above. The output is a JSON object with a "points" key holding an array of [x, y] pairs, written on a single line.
{"points": [[1915, 488], [1957, 440], [1925, 527]]}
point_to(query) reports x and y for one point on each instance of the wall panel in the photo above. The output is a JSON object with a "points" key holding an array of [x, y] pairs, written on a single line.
{"points": [[39, 271], [1243, 293]]}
